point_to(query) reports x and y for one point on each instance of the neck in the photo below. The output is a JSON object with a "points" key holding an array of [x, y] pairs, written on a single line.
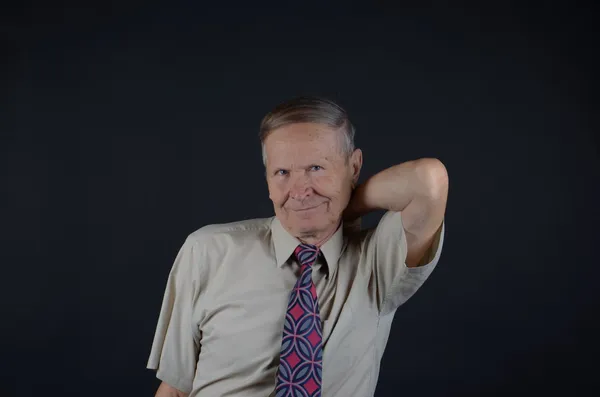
{"points": [[319, 239]]}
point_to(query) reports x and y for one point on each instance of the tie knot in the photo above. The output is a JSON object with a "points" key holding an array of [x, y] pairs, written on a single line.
{"points": [[306, 254]]}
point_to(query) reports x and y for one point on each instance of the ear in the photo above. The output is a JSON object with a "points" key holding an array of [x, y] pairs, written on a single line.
{"points": [[356, 161]]}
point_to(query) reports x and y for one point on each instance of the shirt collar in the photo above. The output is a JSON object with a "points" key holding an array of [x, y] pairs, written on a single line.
{"points": [[285, 244]]}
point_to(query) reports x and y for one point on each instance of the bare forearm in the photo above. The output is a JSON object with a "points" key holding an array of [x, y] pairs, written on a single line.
{"points": [[165, 390], [416, 188], [391, 189]]}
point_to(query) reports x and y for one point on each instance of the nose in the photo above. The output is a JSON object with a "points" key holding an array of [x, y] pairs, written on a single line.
{"points": [[300, 188]]}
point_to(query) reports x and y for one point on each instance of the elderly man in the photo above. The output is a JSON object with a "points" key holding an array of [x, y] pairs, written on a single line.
{"points": [[301, 304]]}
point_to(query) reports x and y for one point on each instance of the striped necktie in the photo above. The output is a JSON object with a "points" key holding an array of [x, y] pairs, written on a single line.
{"points": [[300, 367]]}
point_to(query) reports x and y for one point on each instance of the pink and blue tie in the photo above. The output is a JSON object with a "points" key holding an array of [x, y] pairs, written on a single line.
{"points": [[300, 367]]}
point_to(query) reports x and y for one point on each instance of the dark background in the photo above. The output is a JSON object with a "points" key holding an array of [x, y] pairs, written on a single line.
{"points": [[126, 126]]}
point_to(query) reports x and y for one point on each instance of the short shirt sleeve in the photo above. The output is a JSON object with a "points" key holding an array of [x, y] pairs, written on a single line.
{"points": [[387, 249], [175, 347]]}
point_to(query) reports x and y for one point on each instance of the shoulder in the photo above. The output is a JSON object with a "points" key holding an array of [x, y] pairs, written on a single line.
{"points": [[204, 249], [388, 227], [384, 241], [224, 235]]}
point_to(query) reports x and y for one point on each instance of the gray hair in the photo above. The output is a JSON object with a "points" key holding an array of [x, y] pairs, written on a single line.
{"points": [[309, 110]]}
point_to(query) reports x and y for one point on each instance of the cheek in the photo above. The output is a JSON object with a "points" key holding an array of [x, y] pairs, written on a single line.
{"points": [[329, 187], [276, 193]]}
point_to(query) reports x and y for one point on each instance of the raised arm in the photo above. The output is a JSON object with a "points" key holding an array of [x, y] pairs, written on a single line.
{"points": [[418, 189]]}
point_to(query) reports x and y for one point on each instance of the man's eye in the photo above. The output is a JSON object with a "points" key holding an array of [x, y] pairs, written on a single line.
{"points": [[281, 172], [316, 168]]}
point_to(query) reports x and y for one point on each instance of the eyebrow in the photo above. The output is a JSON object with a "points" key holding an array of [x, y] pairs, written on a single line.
{"points": [[305, 165]]}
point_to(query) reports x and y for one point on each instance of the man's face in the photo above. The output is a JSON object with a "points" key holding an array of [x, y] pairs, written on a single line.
{"points": [[310, 180]]}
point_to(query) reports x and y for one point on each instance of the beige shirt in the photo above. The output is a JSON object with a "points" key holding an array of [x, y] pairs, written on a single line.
{"points": [[221, 322]]}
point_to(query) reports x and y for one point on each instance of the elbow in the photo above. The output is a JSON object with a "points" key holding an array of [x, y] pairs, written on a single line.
{"points": [[433, 175]]}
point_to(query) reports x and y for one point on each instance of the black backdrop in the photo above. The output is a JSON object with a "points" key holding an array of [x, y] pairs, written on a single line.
{"points": [[127, 126]]}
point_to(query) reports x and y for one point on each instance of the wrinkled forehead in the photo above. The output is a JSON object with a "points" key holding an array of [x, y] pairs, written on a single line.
{"points": [[307, 141]]}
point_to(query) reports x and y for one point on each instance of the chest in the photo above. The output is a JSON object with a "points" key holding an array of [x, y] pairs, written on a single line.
{"points": [[241, 324]]}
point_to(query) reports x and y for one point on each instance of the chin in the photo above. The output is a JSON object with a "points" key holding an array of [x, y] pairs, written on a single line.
{"points": [[311, 225], [309, 222]]}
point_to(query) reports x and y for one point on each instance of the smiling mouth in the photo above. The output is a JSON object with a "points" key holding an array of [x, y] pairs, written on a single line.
{"points": [[306, 209]]}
